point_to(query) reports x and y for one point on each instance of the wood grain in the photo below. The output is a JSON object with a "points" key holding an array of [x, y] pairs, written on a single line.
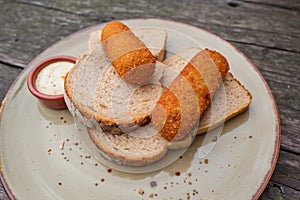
{"points": [[267, 31], [32, 29], [7, 76], [287, 172], [48, 22], [277, 191]]}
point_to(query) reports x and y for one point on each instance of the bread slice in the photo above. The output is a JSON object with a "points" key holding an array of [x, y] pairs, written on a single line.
{"points": [[101, 99], [137, 148], [145, 146]]}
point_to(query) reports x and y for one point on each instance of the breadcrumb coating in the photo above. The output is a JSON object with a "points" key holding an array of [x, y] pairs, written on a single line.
{"points": [[184, 102], [127, 53]]}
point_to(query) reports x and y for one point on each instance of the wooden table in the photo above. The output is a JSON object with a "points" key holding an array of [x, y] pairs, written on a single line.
{"points": [[267, 31]]}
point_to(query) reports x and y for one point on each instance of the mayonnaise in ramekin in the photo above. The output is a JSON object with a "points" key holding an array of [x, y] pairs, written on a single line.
{"points": [[50, 80]]}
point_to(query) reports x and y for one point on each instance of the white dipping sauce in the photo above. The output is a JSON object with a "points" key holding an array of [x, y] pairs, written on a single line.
{"points": [[50, 80]]}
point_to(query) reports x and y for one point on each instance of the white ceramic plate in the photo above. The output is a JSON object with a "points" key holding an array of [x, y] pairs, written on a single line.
{"points": [[239, 166]]}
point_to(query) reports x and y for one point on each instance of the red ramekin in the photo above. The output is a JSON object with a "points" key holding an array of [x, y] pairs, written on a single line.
{"points": [[56, 102]]}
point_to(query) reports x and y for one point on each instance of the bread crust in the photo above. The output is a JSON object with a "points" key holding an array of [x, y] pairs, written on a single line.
{"points": [[111, 151]]}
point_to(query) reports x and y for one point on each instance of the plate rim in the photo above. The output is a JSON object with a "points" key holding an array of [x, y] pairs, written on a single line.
{"points": [[276, 151]]}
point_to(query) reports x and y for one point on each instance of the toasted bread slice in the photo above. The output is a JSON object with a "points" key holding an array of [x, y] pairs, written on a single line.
{"points": [[130, 150], [101, 99]]}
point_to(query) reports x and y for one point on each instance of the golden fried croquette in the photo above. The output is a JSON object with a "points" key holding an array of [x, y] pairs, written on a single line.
{"points": [[128, 54], [184, 102]]}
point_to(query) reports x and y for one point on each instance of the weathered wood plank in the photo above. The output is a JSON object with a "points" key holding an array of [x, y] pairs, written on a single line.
{"points": [[47, 22], [7, 76], [215, 11], [287, 170], [276, 191], [290, 4], [27, 30], [285, 182]]}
